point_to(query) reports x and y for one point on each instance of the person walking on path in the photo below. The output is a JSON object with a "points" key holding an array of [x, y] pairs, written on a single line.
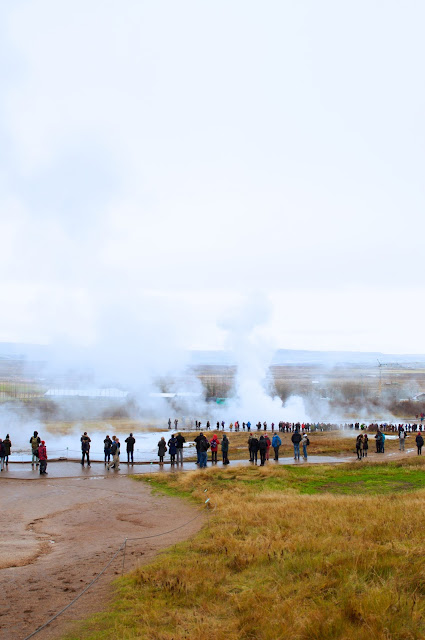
{"points": [[107, 444], [162, 450], [42, 456], [402, 439], [34, 442], [130, 442], [419, 443], [214, 448], [172, 449], [85, 448], [2, 455], [262, 445], [7, 444], [225, 449], [305, 442], [296, 439], [180, 442], [365, 445], [359, 444], [276, 443]]}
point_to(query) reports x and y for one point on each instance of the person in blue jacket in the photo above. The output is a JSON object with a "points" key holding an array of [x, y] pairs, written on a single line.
{"points": [[172, 448], [276, 443]]}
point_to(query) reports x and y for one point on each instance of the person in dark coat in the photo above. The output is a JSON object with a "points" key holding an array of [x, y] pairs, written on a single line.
{"points": [[172, 448], [85, 448], [225, 449], [130, 441], [204, 445], [2, 455], [7, 447], [296, 439], [107, 444], [180, 442], [419, 443], [262, 446], [162, 450], [254, 449]]}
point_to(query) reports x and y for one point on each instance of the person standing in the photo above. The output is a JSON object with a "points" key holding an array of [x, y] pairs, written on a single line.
{"points": [[42, 456], [130, 442], [169, 423], [225, 449], [262, 445], [85, 448], [296, 439], [107, 444], [197, 442], [34, 442], [248, 425], [180, 442], [276, 443], [365, 445], [419, 443], [359, 445], [2, 455], [204, 445], [172, 448], [115, 453], [402, 438], [305, 442], [254, 449], [162, 450], [176, 422], [214, 448], [269, 444], [382, 442], [7, 444], [378, 439]]}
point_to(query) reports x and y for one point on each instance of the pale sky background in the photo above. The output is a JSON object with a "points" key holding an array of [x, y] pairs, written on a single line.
{"points": [[161, 162]]}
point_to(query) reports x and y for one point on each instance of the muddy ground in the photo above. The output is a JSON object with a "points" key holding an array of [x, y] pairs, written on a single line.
{"points": [[57, 534]]}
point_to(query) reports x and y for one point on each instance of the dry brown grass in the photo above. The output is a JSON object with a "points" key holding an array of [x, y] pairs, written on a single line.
{"points": [[274, 564]]}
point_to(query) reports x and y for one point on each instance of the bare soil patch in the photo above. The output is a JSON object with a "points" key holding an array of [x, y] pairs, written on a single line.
{"points": [[56, 536]]}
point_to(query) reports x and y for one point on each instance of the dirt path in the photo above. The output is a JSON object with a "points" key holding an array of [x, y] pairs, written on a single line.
{"points": [[56, 535]]}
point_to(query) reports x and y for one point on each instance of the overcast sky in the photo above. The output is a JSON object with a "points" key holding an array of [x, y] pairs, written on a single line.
{"points": [[162, 162]]}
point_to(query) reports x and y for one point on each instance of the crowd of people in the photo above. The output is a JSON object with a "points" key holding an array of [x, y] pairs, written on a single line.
{"points": [[259, 442]]}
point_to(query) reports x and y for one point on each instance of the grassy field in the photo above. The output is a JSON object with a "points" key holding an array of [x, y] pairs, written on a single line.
{"points": [[288, 552]]}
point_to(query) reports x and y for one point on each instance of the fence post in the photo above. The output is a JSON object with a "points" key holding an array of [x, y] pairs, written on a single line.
{"points": [[123, 557]]}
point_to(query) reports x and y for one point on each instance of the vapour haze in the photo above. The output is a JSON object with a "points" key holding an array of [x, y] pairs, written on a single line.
{"points": [[161, 161]]}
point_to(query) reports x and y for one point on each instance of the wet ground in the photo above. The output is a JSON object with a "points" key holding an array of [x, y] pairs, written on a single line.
{"points": [[73, 469]]}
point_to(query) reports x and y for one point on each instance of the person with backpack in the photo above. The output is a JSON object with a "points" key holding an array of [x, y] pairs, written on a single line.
{"points": [[180, 442], [34, 442], [162, 450], [7, 444], [262, 446], [42, 456], [305, 442], [419, 443], [225, 449], [214, 442], [172, 448], [85, 449], [130, 442], [107, 444], [115, 453], [296, 439], [276, 443]]}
